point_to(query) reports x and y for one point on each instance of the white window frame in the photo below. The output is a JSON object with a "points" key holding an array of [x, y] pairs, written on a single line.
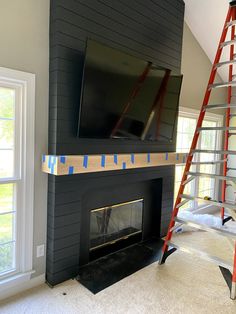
{"points": [[192, 113], [24, 84]]}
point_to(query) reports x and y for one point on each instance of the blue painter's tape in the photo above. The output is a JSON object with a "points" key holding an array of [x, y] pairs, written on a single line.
{"points": [[148, 157], [103, 161], [62, 159], [43, 158], [52, 168], [132, 158], [116, 159], [85, 161], [49, 161], [124, 165], [177, 156], [167, 156], [71, 170]]}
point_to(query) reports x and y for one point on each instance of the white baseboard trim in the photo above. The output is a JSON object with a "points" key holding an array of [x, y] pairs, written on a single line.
{"points": [[21, 287]]}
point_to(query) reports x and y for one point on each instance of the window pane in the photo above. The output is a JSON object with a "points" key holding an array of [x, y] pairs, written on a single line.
{"points": [[6, 228], [7, 253], [7, 123], [6, 134], [6, 198], [6, 163], [7, 102]]}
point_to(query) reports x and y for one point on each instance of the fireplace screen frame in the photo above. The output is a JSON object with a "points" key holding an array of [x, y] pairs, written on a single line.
{"points": [[121, 237]]}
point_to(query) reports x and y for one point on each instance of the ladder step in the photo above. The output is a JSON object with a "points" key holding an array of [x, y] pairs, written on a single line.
{"points": [[227, 43], [222, 232], [208, 162], [225, 84], [220, 152], [230, 134], [199, 253], [232, 115], [230, 62], [213, 202], [182, 203], [209, 175], [219, 106], [188, 180], [231, 23], [217, 128]]}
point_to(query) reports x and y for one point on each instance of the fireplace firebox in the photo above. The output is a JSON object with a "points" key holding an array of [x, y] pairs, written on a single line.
{"points": [[115, 222]]}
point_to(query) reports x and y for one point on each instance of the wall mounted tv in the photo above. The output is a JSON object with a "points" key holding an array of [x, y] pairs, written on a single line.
{"points": [[124, 97]]}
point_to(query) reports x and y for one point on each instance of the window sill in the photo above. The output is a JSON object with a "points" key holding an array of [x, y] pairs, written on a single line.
{"points": [[12, 281]]}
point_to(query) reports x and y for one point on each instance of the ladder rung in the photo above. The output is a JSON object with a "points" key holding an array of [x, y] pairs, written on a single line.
{"points": [[230, 134], [209, 175], [227, 43], [222, 232], [225, 63], [225, 84], [220, 106], [188, 180], [213, 202], [201, 254], [208, 162], [232, 115], [231, 23], [182, 203], [221, 152], [217, 128]]}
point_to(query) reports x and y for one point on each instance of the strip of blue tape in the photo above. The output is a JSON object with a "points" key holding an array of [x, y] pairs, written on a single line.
{"points": [[103, 161], [43, 158], [62, 159], [116, 159], [49, 161], [52, 168], [148, 157], [85, 161], [177, 156], [132, 158], [167, 156], [71, 170], [124, 165]]}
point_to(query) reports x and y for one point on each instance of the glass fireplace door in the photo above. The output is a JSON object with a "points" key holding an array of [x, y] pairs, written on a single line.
{"points": [[116, 222]]}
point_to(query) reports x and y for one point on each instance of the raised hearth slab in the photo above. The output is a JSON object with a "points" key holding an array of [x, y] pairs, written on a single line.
{"points": [[104, 272], [75, 164]]}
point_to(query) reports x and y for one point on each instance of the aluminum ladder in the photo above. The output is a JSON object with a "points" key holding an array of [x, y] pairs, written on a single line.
{"points": [[228, 270]]}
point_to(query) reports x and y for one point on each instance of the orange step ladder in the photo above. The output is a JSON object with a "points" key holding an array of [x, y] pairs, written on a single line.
{"points": [[228, 270]]}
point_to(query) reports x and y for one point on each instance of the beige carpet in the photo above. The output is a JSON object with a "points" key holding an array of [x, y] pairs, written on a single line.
{"points": [[183, 285]]}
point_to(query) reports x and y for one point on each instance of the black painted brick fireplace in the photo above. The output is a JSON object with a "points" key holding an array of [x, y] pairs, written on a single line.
{"points": [[150, 29]]}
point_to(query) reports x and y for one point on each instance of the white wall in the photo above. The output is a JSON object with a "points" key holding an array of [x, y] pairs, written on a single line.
{"points": [[24, 36], [196, 68]]}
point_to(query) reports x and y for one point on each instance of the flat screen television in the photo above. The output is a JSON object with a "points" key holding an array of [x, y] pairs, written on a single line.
{"points": [[124, 97]]}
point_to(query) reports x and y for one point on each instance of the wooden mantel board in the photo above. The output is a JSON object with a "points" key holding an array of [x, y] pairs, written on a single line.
{"points": [[75, 164]]}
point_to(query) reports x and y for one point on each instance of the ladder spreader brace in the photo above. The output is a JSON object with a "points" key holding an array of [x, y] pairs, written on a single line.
{"points": [[169, 246]]}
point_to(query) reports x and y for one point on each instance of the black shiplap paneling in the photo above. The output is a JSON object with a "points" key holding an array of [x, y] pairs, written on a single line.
{"points": [[64, 217], [151, 30]]}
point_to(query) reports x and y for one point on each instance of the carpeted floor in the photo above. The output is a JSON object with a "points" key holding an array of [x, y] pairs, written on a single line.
{"points": [[185, 284]]}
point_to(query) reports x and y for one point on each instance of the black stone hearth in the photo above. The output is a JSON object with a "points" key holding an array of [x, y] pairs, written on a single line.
{"points": [[110, 269]]}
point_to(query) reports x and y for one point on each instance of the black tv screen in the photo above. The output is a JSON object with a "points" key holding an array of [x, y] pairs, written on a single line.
{"points": [[124, 97]]}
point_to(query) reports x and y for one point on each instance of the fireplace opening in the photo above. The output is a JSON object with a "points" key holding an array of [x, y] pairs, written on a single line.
{"points": [[115, 225]]}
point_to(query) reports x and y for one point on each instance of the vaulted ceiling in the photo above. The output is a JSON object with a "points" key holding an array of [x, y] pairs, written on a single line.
{"points": [[206, 18]]}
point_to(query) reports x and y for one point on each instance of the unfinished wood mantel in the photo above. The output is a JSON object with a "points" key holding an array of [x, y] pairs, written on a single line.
{"points": [[76, 164]]}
